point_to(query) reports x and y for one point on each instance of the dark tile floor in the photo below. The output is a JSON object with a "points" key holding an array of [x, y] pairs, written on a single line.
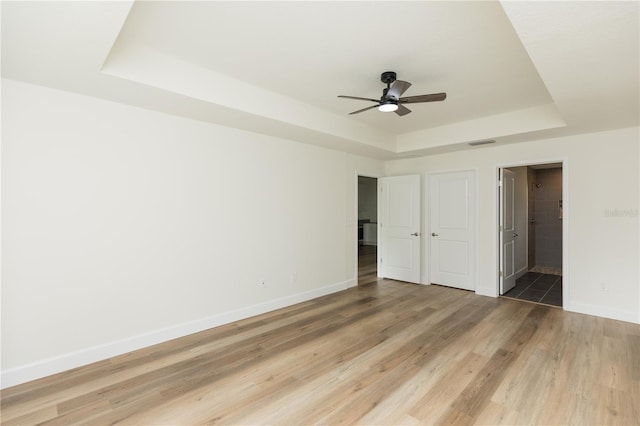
{"points": [[536, 287]]}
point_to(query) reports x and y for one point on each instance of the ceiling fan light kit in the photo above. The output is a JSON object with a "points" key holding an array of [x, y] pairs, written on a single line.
{"points": [[390, 101], [388, 106]]}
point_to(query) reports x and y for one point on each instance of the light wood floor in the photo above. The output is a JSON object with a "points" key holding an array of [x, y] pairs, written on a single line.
{"points": [[382, 353], [367, 265]]}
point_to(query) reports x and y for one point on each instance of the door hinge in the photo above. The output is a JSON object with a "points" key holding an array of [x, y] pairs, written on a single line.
{"points": [[499, 183]]}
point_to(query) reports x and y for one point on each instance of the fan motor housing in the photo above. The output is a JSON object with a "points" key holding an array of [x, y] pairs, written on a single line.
{"points": [[388, 77]]}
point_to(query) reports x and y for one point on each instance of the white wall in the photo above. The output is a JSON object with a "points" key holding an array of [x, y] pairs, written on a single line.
{"points": [[123, 227], [601, 274]]}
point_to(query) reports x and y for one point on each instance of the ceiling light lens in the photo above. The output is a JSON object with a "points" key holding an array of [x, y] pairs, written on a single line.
{"points": [[388, 107]]}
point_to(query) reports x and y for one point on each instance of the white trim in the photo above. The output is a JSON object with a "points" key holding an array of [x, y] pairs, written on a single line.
{"points": [[485, 291], [566, 223], [600, 311], [35, 370]]}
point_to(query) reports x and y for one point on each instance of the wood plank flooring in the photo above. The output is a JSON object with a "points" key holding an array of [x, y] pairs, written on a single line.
{"points": [[382, 353], [367, 265]]}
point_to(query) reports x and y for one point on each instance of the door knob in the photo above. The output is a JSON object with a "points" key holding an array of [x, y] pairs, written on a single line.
{"points": [[433, 234], [515, 234], [416, 234]]}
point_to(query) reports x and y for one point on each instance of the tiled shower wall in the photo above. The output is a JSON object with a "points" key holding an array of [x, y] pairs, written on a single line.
{"points": [[548, 232]]}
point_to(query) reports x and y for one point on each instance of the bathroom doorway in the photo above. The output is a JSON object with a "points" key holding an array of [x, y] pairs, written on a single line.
{"points": [[531, 206]]}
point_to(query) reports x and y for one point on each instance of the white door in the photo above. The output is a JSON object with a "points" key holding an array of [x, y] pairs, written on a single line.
{"points": [[452, 227], [507, 228], [399, 222]]}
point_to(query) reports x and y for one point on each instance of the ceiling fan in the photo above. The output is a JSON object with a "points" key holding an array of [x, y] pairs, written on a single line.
{"points": [[391, 100]]}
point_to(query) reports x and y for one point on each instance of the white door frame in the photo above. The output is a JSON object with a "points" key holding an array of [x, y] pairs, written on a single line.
{"points": [[565, 221], [426, 248]]}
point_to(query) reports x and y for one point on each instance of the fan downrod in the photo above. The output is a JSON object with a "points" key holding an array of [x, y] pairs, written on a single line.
{"points": [[388, 77]]}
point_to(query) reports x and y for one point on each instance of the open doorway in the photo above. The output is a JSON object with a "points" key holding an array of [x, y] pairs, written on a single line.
{"points": [[530, 233], [367, 230]]}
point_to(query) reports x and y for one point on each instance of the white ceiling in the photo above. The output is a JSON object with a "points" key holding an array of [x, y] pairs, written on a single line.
{"points": [[513, 71]]}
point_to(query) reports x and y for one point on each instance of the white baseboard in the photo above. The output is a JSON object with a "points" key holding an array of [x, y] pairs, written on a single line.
{"points": [[47, 367], [521, 272], [604, 312], [487, 291]]}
